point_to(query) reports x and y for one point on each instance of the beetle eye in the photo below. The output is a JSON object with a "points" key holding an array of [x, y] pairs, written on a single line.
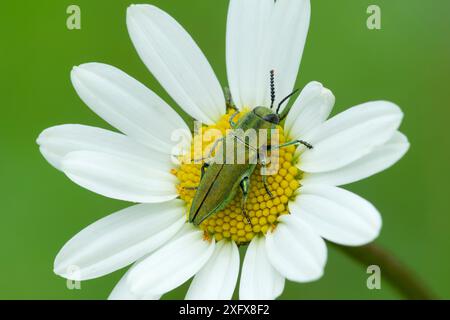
{"points": [[272, 118]]}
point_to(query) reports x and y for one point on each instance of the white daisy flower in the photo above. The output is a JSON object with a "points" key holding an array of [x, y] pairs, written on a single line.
{"points": [[286, 235]]}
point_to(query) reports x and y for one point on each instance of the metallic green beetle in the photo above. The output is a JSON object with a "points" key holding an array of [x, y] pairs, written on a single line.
{"points": [[221, 181]]}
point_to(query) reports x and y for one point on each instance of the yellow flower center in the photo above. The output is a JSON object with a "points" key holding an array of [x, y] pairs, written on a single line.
{"points": [[262, 209]]}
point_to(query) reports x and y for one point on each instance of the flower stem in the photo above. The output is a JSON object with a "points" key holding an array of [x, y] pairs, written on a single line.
{"points": [[403, 279]]}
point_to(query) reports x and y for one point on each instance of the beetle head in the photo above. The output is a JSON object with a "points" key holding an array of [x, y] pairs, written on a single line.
{"points": [[267, 115]]}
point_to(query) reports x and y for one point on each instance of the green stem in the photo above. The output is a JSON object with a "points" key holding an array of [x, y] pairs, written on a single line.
{"points": [[403, 279]]}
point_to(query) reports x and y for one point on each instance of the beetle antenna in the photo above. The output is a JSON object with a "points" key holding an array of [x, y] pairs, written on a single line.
{"points": [[285, 99], [272, 88]]}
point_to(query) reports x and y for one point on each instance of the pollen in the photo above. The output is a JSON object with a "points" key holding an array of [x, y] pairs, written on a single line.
{"points": [[262, 209]]}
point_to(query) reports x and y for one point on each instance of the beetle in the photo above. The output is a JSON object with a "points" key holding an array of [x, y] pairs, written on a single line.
{"points": [[220, 182]]}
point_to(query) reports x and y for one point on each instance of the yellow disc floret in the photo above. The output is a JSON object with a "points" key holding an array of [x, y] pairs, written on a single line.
{"points": [[262, 209]]}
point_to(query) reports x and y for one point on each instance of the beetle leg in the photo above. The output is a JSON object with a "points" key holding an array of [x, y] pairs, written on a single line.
{"points": [[290, 143], [245, 186], [266, 186], [213, 148], [228, 98], [204, 166], [190, 188], [209, 156], [263, 160], [232, 123]]}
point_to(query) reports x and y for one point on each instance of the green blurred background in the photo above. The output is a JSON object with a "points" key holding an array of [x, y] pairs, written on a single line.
{"points": [[407, 62]]}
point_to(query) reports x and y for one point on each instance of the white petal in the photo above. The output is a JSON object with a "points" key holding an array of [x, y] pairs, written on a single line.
{"points": [[295, 250], [127, 105], [264, 35], [173, 264], [119, 178], [119, 239], [122, 292], [175, 60], [217, 279], [312, 108], [248, 26], [259, 279], [337, 214], [350, 136], [381, 158], [56, 142]]}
